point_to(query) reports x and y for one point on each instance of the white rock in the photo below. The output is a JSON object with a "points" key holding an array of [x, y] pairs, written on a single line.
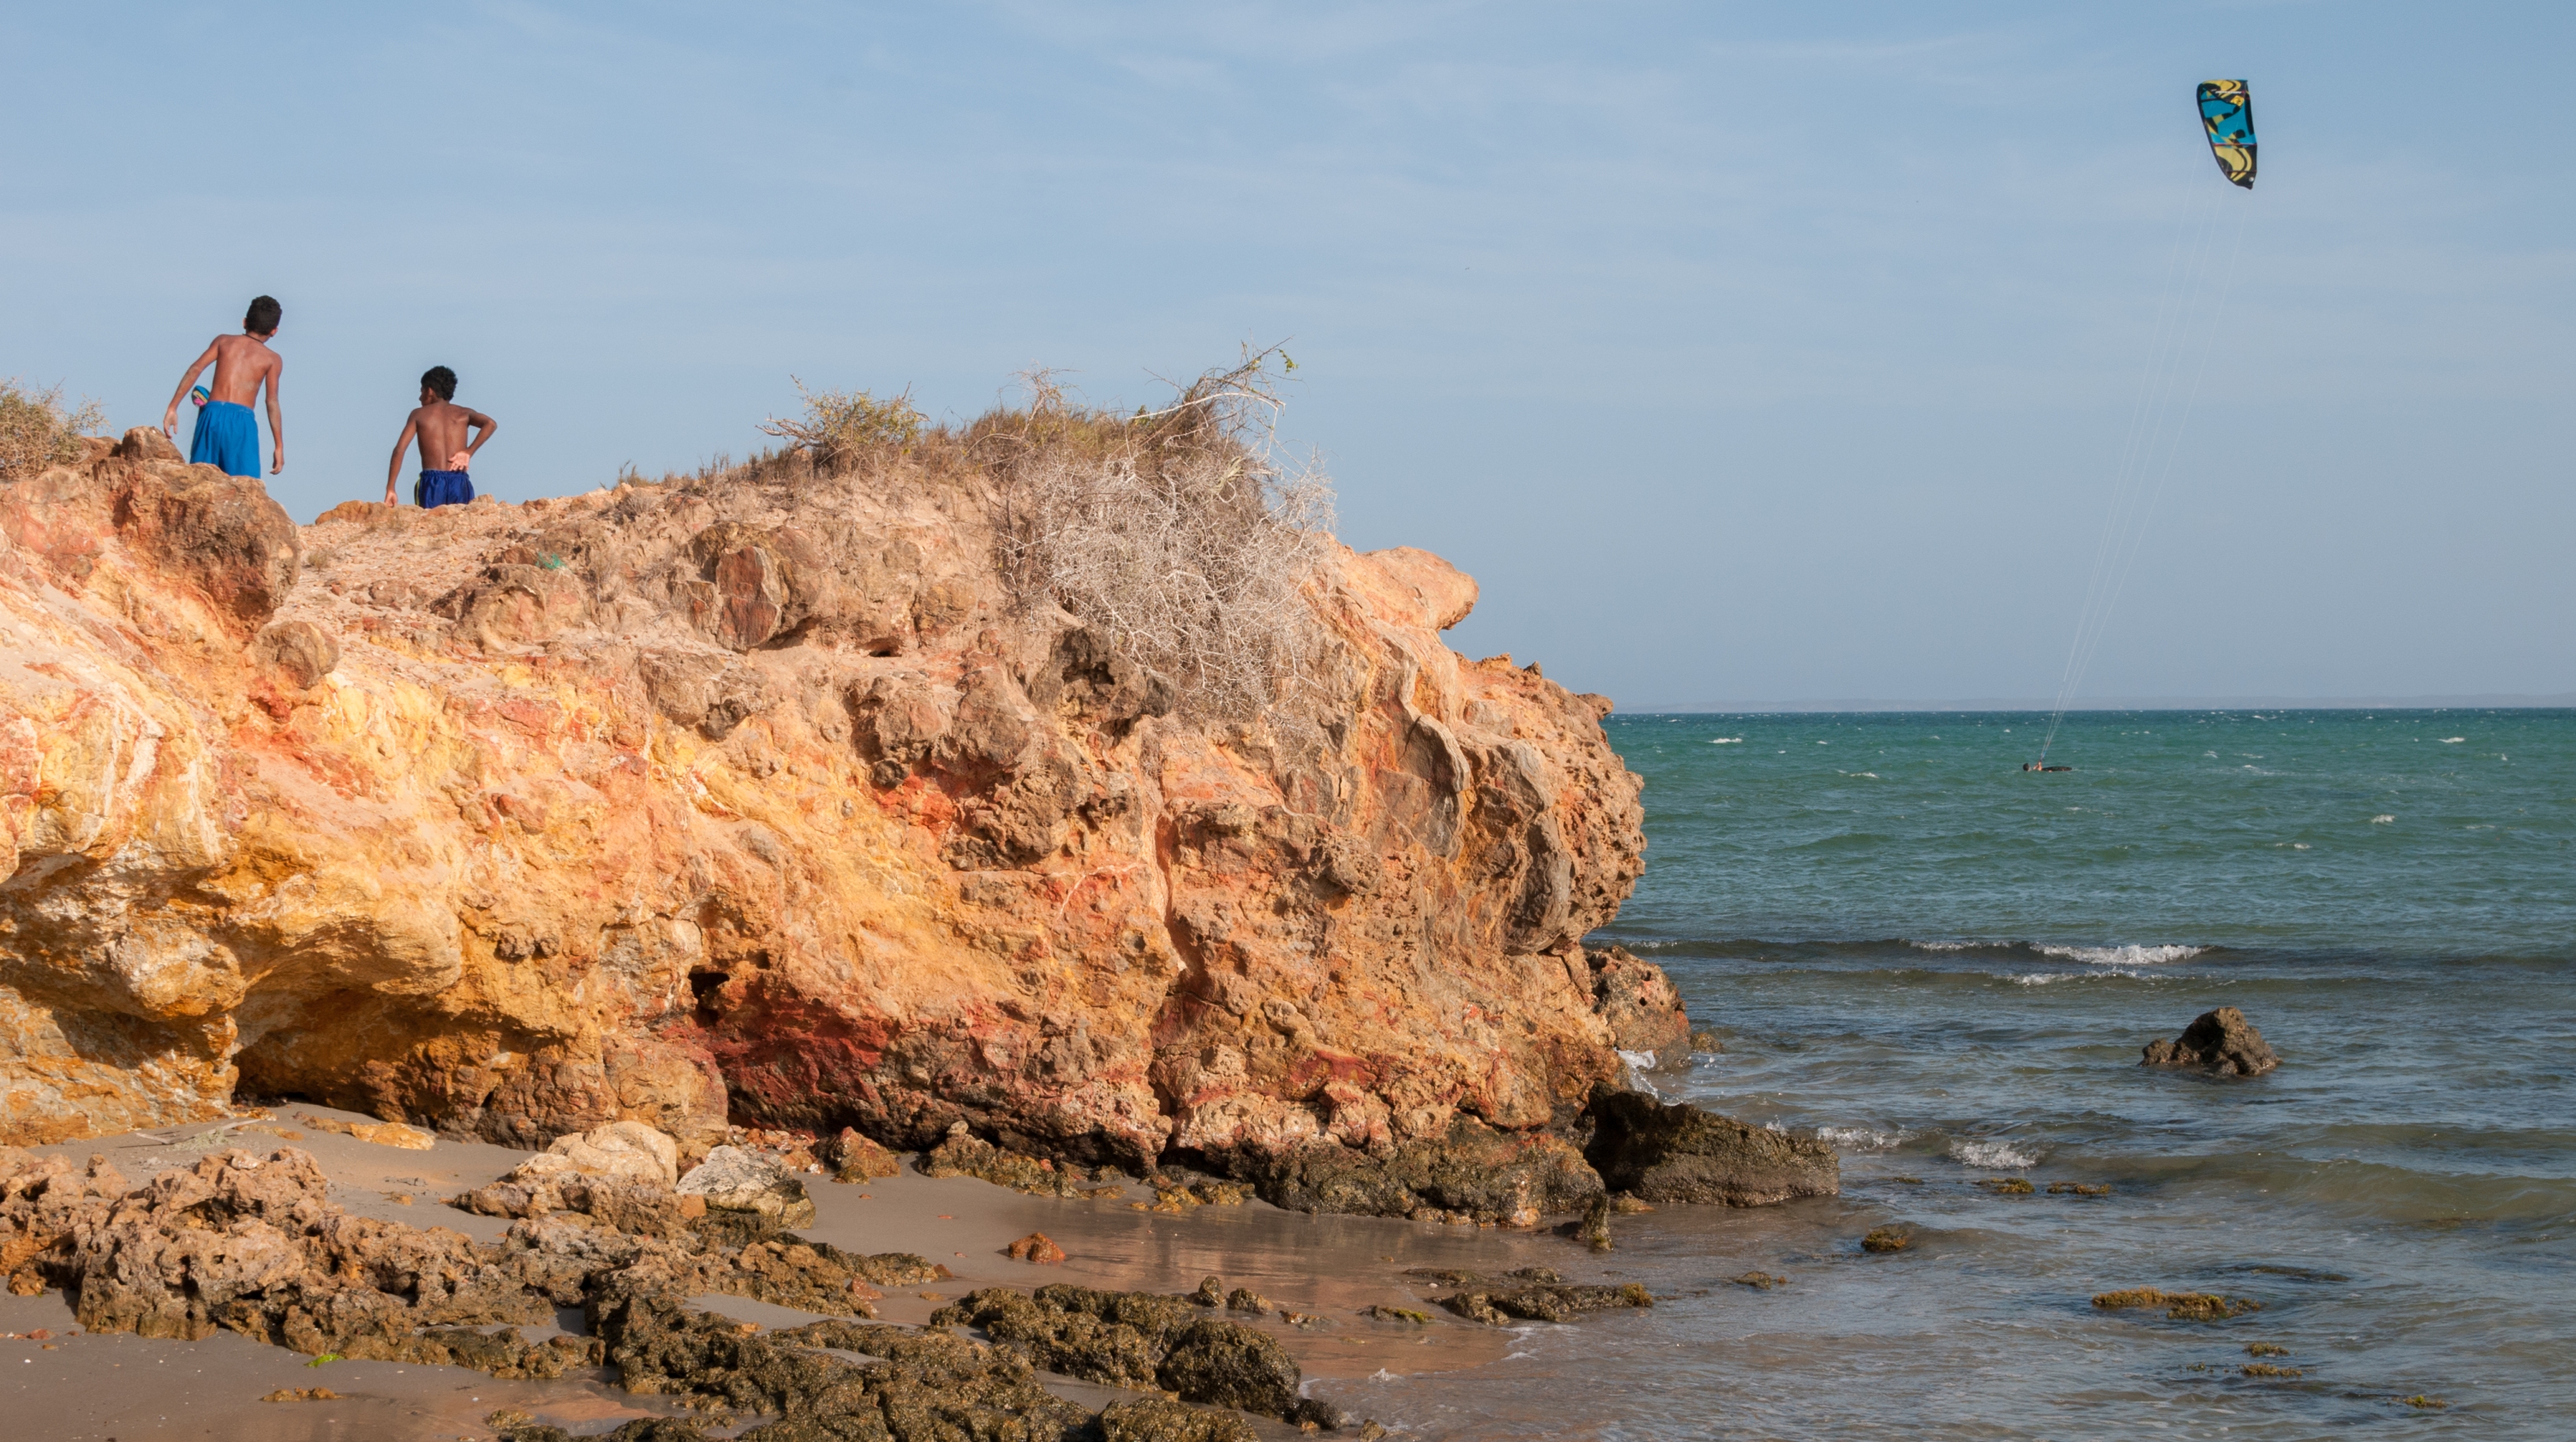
{"points": [[622, 1149]]}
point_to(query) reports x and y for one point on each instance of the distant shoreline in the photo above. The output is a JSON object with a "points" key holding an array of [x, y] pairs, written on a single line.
{"points": [[2496, 702]]}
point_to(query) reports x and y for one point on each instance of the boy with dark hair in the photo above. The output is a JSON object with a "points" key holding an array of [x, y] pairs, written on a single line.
{"points": [[440, 426], [227, 434]]}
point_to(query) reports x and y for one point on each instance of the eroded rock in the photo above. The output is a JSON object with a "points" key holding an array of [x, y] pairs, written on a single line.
{"points": [[2220, 1041], [764, 794], [1142, 1339], [1674, 1152]]}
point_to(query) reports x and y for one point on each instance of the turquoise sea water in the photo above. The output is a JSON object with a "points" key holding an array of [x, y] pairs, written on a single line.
{"points": [[1946, 966]]}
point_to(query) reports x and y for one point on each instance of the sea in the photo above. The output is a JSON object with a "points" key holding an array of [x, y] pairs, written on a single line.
{"points": [[1946, 966]]}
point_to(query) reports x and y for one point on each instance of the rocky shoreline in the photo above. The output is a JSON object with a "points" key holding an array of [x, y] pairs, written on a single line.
{"points": [[608, 1226], [751, 825]]}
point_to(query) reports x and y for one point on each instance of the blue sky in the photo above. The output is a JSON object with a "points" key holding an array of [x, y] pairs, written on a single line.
{"points": [[1742, 352]]}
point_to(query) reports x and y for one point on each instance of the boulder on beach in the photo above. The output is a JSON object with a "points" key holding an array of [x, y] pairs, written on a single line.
{"points": [[2221, 1041], [855, 1158], [1677, 1153], [734, 1180], [622, 1149]]}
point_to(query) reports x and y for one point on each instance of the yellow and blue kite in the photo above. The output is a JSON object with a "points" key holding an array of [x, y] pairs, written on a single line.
{"points": [[2227, 113]]}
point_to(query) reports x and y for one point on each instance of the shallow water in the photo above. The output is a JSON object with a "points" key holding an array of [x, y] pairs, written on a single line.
{"points": [[1947, 966]]}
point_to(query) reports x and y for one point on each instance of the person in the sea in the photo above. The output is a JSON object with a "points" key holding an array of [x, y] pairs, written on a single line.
{"points": [[440, 426], [227, 434]]}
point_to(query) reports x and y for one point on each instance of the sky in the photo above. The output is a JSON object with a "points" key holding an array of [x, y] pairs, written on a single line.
{"points": [[1744, 353]]}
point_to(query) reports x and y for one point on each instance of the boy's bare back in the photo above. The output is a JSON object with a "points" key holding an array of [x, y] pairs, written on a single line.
{"points": [[242, 365], [439, 428]]}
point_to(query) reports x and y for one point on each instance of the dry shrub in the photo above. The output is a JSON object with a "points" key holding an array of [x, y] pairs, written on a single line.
{"points": [[840, 426], [36, 431], [1178, 532]]}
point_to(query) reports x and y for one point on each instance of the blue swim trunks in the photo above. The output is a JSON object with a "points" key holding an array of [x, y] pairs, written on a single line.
{"points": [[227, 436], [442, 488]]}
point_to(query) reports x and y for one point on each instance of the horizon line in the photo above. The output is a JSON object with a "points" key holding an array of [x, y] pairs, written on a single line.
{"points": [[2488, 701]]}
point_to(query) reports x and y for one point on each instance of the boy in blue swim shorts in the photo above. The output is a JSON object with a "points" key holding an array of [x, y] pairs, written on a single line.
{"points": [[227, 434], [440, 427]]}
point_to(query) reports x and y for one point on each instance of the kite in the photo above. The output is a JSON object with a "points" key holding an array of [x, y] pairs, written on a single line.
{"points": [[2227, 113]]}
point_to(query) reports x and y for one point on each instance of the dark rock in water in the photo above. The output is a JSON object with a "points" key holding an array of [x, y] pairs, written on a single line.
{"points": [[1156, 1419], [1380, 1312], [1760, 1281], [1500, 1303], [1678, 1153], [2222, 1041], [1226, 1364], [1474, 1173], [1594, 1231], [1137, 1339], [2180, 1306], [1887, 1239]]}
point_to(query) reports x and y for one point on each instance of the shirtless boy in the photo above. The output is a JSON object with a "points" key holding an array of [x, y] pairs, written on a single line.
{"points": [[227, 435], [440, 426]]}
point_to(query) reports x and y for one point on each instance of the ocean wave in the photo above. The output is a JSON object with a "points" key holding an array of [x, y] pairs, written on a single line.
{"points": [[2122, 955], [1945, 945], [2453, 740], [1992, 1156], [1727, 741], [2382, 819], [1861, 1139], [2043, 978]]}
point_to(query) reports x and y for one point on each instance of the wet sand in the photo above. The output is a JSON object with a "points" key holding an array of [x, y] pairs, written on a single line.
{"points": [[124, 1387]]}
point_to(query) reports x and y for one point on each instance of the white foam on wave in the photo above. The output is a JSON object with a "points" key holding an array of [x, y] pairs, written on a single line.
{"points": [[1861, 1139], [2382, 820], [1945, 945], [2043, 978], [2453, 740], [1638, 1063], [1727, 741], [1992, 1156], [2122, 955]]}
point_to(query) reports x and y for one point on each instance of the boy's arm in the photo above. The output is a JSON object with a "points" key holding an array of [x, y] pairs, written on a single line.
{"points": [[276, 422], [411, 427], [483, 425], [170, 417]]}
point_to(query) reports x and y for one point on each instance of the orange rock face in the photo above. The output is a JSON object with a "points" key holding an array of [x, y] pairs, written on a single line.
{"points": [[756, 797]]}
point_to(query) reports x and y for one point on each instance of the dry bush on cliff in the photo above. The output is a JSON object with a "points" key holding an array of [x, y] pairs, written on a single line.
{"points": [[36, 431], [1177, 531], [841, 425]]}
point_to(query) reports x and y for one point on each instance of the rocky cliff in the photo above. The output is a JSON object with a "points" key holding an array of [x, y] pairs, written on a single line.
{"points": [[756, 796]]}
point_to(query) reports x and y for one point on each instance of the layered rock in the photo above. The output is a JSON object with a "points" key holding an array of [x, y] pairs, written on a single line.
{"points": [[761, 795]]}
